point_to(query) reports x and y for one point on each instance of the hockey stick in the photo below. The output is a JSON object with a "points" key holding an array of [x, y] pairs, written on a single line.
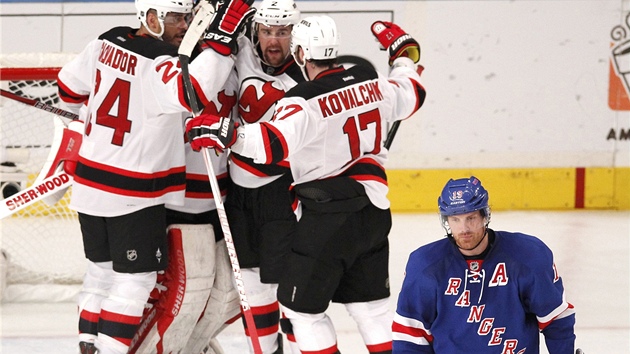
{"points": [[391, 134], [40, 105], [64, 140], [35, 193], [194, 32]]}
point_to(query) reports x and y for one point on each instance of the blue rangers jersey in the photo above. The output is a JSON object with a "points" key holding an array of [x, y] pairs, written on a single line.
{"points": [[498, 304]]}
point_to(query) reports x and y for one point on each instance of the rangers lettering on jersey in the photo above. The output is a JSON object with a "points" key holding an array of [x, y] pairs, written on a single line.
{"points": [[352, 97], [118, 59]]}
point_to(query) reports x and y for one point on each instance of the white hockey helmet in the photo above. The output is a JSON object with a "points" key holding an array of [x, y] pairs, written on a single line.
{"points": [[162, 8], [277, 13], [317, 36]]}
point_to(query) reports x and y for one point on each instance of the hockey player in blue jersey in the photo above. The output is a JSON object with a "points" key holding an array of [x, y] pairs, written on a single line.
{"points": [[480, 290]]}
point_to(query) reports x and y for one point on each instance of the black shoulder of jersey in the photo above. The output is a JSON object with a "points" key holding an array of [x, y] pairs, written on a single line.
{"points": [[332, 80], [294, 71], [145, 46]]}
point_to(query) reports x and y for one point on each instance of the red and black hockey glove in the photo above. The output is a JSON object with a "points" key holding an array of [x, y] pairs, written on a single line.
{"points": [[210, 131], [396, 41], [226, 26]]}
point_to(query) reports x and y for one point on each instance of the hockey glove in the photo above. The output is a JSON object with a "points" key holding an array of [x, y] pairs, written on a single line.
{"points": [[396, 41], [228, 23], [210, 131]]}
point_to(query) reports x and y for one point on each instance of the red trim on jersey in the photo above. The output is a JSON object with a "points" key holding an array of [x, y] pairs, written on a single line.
{"points": [[198, 185], [181, 93], [132, 174], [200, 94], [248, 168], [411, 331], [543, 325], [272, 151], [129, 183], [421, 94], [69, 96], [260, 170], [380, 175], [368, 178], [329, 72], [198, 177], [283, 68]]}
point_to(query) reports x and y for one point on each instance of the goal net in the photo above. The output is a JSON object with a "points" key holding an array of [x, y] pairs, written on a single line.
{"points": [[42, 254]]}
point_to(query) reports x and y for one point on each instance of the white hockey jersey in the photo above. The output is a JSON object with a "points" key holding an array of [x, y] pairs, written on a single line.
{"points": [[199, 196], [261, 87], [336, 126], [132, 155]]}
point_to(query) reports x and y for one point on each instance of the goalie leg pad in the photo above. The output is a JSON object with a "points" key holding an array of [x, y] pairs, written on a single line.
{"points": [[223, 305], [188, 279]]}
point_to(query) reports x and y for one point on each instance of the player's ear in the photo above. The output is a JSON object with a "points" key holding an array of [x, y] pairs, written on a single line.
{"points": [[153, 22], [299, 56]]}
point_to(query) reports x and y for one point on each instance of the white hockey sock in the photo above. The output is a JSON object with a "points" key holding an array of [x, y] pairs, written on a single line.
{"points": [[374, 320], [313, 332], [96, 284], [122, 310], [265, 308]]}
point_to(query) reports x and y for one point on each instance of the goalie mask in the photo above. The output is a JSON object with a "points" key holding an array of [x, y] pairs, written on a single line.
{"points": [[162, 8], [463, 196], [318, 37]]}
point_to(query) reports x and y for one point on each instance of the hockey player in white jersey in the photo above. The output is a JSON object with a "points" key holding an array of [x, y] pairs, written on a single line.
{"points": [[131, 162], [332, 129], [199, 269], [258, 205]]}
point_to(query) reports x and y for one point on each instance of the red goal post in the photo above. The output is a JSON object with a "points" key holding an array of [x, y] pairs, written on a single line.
{"points": [[42, 255]]}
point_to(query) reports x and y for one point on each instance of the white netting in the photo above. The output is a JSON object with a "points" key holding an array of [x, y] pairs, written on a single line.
{"points": [[42, 244]]}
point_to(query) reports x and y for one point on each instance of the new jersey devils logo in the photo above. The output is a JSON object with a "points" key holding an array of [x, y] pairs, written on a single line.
{"points": [[224, 101], [257, 100]]}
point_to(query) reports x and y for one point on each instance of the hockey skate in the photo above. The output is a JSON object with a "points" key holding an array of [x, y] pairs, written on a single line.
{"points": [[87, 348]]}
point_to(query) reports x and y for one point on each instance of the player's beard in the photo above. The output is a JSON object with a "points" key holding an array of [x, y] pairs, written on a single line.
{"points": [[175, 39], [274, 56], [469, 243]]}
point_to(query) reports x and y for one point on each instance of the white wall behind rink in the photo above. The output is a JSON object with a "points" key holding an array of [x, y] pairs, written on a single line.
{"points": [[520, 83]]}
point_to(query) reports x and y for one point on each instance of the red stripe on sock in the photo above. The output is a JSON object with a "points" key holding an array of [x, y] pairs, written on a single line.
{"points": [[380, 348], [331, 350]]}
